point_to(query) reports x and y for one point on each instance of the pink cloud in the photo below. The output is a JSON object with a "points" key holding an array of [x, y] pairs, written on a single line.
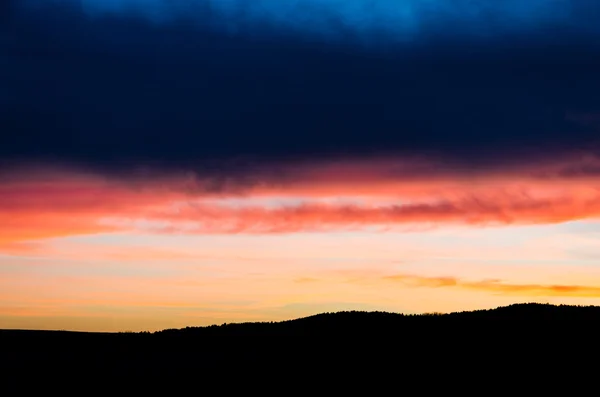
{"points": [[332, 195]]}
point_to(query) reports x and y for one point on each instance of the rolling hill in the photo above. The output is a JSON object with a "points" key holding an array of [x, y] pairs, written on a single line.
{"points": [[520, 335]]}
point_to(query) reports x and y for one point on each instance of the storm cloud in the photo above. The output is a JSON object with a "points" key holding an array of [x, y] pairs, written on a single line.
{"points": [[180, 84]]}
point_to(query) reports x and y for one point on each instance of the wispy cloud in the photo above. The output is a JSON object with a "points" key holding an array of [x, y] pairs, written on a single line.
{"points": [[471, 210], [497, 286], [376, 194]]}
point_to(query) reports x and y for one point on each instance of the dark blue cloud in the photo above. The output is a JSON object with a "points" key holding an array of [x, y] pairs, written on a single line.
{"points": [[187, 85], [365, 20]]}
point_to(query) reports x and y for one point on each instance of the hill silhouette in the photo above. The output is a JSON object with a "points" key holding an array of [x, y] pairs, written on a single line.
{"points": [[519, 335], [530, 314]]}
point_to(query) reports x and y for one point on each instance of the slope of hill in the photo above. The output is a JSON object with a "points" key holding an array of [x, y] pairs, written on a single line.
{"points": [[516, 334], [353, 322]]}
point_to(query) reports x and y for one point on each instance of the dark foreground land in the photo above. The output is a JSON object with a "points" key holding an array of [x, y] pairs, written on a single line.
{"points": [[530, 339]]}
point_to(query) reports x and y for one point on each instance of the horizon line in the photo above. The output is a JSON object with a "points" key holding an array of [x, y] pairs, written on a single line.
{"points": [[424, 314]]}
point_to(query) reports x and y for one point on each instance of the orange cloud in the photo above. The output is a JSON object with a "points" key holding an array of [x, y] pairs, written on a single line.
{"points": [[471, 210], [331, 195], [38, 205], [497, 286], [304, 280]]}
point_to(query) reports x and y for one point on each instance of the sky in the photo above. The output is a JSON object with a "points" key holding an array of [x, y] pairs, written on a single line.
{"points": [[170, 163]]}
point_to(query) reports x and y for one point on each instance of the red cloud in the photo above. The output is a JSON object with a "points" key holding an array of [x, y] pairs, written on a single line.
{"points": [[471, 210], [385, 193]]}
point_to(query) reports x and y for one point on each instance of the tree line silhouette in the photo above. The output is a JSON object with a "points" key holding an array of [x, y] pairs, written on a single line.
{"points": [[518, 335]]}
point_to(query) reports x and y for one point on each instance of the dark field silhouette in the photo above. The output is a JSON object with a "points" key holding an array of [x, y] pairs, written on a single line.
{"points": [[521, 337]]}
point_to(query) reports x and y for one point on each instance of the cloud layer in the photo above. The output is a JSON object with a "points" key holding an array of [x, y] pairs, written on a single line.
{"points": [[498, 286], [329, 196], [359, 20], [112, 91]]}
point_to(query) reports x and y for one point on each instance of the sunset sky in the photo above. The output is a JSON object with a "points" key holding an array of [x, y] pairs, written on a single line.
{"points": [[179, 163]]}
